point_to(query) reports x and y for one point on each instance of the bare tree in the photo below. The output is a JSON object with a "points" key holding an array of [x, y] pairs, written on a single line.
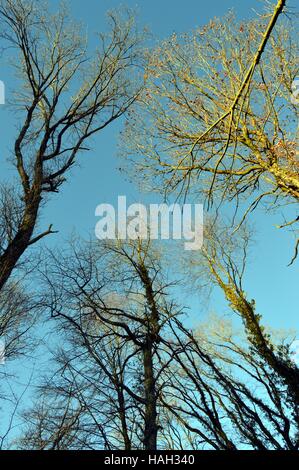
{"points": [[225, 394], [19, 311], [111, 302], [53, 425], [140, 378], [66, 96], [223, 260], [91, 377], [217, 118]]}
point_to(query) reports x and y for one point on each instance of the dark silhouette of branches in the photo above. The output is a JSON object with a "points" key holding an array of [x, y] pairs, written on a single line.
{"points": [[144, 379]]}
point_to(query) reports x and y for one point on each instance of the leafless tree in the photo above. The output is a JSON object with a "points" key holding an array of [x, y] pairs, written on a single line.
{"points": [[111, 302], [140, 378], [217, 118], [19, 311], [225, 258], [226, 395], [66, 96]]}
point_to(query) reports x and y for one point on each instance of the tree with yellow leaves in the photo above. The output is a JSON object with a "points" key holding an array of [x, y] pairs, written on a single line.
{"points": [[217, 116]]}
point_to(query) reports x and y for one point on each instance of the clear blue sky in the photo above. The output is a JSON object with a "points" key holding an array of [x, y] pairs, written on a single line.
{"points": [[97, 180]]}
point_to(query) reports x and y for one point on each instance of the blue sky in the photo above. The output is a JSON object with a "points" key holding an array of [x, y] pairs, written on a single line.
{"points": [[97, 180]]}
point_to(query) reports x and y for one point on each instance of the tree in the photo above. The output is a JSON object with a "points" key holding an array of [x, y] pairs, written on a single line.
{"points": [[132, 370], [226, 394], [223, 260], [216, 116], [65, 98], [19, 310], [110, 300], [91, 378], [136, 377]]}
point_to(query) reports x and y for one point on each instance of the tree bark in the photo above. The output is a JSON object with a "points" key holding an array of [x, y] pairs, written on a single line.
{"points": [[150, 428], [20, 242]]}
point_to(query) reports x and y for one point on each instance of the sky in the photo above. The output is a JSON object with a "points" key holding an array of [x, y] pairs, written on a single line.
{"points": [[97, 180]]}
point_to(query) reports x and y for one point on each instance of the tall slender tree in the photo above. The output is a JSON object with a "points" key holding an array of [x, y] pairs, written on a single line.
{"points": [[66, 95]]}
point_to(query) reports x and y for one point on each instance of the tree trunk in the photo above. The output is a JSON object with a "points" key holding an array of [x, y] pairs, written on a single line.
{"points": [[21, 241], [122, 413], [150, 427]]}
